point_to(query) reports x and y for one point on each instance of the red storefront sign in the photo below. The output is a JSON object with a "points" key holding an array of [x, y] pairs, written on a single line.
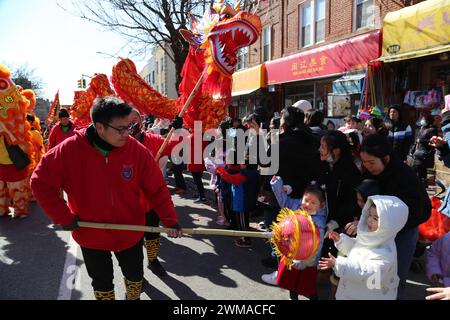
{"points": [[335, 58]]}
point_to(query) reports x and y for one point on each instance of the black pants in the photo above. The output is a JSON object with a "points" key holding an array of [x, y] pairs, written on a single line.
{"points": [[151, 220], [99, 265], [199, 183], [178, 175]]}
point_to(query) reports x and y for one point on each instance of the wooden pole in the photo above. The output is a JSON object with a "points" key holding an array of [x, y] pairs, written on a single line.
{"points": [[186, 104], [202, 231]]}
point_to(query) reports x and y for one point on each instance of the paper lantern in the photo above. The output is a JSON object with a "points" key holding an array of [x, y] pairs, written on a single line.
{"points": [[295, 236]]}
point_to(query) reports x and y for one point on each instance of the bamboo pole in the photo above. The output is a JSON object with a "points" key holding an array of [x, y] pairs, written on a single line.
{"points": [[186, 104], [200, 231]]}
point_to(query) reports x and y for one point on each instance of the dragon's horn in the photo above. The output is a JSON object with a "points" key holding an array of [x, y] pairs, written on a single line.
{"points": [[237, 6]]}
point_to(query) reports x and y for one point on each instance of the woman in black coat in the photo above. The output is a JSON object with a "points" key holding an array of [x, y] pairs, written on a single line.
{"points": [[340, 176]]}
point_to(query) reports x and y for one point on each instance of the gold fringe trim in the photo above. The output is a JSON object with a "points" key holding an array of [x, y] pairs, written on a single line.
{"points": [[133, 289], [104, 295], [152, 247]]}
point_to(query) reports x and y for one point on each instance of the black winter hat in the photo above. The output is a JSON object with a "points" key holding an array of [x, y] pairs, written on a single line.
{"points": [[63, 113], [368, 187]]}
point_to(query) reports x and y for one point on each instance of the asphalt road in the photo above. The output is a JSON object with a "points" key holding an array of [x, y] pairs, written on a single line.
{"points": [[40, 262]]}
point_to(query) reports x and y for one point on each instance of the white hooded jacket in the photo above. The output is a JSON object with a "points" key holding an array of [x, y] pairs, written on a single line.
{"points": [[369, 270]]}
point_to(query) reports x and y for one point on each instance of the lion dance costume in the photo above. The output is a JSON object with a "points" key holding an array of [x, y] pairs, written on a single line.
{"points": [[17, 154]]}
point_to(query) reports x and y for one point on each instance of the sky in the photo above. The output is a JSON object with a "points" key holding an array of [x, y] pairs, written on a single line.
{"points": [[58, 45]]}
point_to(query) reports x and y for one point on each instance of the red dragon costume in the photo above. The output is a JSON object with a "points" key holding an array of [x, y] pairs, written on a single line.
{"points": [[214, 43]]}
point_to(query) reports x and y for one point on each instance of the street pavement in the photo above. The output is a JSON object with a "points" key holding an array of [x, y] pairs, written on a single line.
{"points": [[38, 261]]}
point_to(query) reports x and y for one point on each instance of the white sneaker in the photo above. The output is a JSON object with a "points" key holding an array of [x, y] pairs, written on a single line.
{"points": [[270, 278]]}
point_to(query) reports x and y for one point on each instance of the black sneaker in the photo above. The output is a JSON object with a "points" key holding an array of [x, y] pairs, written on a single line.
{"points": [[156, 267], [198, 200]]}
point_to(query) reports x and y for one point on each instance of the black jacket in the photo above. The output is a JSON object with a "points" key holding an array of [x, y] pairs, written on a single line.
{"points": [[299, 160], [400, 181], [422, 152], [340, 181]]}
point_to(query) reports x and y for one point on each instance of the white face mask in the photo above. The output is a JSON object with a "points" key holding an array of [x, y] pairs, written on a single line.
{"points": [[330, 159], [423, 122]]}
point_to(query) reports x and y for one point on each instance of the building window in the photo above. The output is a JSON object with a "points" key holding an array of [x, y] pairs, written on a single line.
{"points": [[312, 22], [153, 77], [157, 67], [162, 65], [320, 20], [266, 44], [242, 58], [364, 11], [162, 88], [305, 18]]}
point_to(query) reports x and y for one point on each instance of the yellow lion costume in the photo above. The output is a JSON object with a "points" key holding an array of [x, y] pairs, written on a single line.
{"points": [[17, 155]]}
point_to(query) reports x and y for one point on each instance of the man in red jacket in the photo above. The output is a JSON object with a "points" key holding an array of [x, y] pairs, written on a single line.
{"points": [[63, 130], [104, 172], [152, 142]]}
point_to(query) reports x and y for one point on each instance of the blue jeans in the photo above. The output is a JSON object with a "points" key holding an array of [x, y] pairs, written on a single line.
{"points": [[406, 242]]}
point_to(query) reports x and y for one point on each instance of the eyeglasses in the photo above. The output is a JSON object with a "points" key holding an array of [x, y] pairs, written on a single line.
{"points": [[121, 130]]}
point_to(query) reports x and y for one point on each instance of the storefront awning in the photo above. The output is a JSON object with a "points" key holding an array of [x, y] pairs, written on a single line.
{"points": [[335, 58], [349, 84], [248, 80], [416, 31]]}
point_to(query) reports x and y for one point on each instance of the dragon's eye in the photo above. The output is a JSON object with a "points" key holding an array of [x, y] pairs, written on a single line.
{"points": [[3, 84]]}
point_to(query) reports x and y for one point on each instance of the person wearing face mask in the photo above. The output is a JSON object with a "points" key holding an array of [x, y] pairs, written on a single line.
{"points": [[340, 177], [422, 154], [395, 178]]}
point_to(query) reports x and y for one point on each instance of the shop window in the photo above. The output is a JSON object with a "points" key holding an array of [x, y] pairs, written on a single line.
{"points": [[312, 22], [267, 44], [242, 58], [364, 13]]}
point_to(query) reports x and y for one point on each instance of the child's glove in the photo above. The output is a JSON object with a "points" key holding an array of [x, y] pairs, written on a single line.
{"points": [[288, 189]]}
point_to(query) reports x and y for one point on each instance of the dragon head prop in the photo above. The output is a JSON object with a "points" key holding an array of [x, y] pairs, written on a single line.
{"points": [[13, 114], [222, 32], [214, 44]]}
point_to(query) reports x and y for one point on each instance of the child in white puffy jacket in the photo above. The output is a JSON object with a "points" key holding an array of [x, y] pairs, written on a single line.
{"points": [[369, 270]]}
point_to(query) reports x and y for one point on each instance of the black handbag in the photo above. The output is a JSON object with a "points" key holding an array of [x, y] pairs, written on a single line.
{"points": [[17, 155]]}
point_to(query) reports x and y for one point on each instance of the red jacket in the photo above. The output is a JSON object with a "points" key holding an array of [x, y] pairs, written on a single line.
{"points": [[200, 165], [57, 135], [101, 189], [153, 142]]}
